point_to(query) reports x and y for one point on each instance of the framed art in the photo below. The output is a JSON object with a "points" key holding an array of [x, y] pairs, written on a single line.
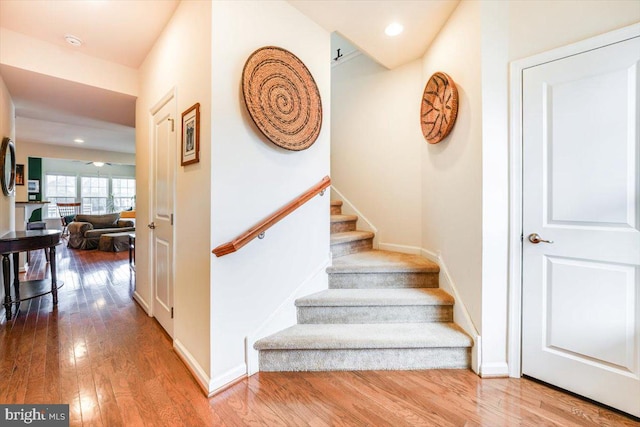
{"points": [[33, 186], [19, 174], [191, 135]]}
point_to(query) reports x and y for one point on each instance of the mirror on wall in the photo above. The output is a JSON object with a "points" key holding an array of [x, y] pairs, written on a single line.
{"points": [[7, 166]]}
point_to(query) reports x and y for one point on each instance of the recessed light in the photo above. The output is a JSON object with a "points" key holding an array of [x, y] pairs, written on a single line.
{"points": [[98, 164], [73, 40], [78, 140], [393, 29]]}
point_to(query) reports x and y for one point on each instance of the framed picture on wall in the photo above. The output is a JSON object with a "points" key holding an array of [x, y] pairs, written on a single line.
{"points": [[191, 135], [19, 174], [33, 186]]}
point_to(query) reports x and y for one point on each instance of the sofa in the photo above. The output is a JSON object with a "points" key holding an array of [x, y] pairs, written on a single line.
{"points": [[85, 230]]}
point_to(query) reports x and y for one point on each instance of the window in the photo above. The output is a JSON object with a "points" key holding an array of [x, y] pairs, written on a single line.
{"points": [[94, 194], [98, 194], [124, 192], [59, 189]]}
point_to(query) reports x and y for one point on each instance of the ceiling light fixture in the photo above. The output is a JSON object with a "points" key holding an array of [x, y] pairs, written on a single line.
{"points": [[73, 40], [78, 140], [98, 164], [393, 29]]}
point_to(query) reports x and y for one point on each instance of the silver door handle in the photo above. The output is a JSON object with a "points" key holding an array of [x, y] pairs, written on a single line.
{"points": [[152, 225], [535, 239]]}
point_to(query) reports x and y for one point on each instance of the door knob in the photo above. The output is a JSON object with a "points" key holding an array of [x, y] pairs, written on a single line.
{"points": [[535, 239], [152, 225]]}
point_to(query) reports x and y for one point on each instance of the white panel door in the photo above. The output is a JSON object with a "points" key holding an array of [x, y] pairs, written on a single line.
{"points": [[162, 200], [581, 292]]}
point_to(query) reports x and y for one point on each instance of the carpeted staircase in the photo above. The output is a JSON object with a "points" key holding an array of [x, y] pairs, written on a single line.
{"points": [[383, 310]]}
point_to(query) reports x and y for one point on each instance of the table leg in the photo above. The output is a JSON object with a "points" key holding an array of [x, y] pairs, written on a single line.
{"points": [[54, 284], [16, 276], [6, 278], [130, 250]]}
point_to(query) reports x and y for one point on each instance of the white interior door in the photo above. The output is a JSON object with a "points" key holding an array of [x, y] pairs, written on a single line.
{"points": [[162, 206], [581, 298]]}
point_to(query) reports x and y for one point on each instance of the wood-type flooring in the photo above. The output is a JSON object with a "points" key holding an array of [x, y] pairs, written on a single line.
{"points": [[100, 353]]}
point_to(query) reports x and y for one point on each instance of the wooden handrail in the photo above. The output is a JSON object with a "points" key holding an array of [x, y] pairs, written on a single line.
{"points": [[265, 224]]}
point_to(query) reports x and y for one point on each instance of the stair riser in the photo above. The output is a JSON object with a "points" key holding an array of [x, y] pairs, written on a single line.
{"points": [[336, 210], [346, 248], [364, 359], [339, 227], [376, 314], [382, 280]]}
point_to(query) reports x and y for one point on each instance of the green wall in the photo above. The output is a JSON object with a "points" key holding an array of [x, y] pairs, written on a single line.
{"points": [[35, 172]]}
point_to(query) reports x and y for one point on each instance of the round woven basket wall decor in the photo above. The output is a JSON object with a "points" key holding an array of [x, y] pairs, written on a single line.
{"points": [[282, 98], [439, 107]]}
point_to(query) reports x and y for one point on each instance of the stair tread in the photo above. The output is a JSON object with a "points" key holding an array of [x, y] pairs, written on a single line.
{"points": [[376, 297], [377, 261], [343, 218], [350, 236], [366, 336], [336, 203]]}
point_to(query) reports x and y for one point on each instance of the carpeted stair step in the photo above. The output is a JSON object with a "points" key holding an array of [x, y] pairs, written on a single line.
{"points": [[376, 306], [382, 269], [336, 207], [340, 223], [366, 347], [348, 242]]}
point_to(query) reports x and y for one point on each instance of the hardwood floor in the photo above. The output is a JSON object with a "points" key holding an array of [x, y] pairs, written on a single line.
{"points": [[100, 353]]}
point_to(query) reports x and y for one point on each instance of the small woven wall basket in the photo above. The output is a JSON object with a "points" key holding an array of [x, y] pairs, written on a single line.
{"points": [[282, 98], [439, 108]]}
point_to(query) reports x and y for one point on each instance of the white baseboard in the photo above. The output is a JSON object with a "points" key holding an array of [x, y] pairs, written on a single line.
{"points": [[405, 249], [142, 302], [460, 313], [494, 370], [209, 386], [363, 221], [227, 379], [201, 377], [285, 315], [476, 354]]}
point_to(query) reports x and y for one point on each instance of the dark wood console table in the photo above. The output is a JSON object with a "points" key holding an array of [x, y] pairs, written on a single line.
{"points": [[15, 242]]}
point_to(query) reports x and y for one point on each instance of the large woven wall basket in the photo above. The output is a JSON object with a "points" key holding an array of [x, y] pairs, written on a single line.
{"points": [[282, 98], [439, 108]]}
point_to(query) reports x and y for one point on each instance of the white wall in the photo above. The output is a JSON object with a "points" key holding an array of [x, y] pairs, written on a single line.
{"points": [[512, 30], [376, 145], [452, 169], [7, 129], [251, 178], [7, 204], [537, 26], [534, 28], [495, 188], [181, 60]]}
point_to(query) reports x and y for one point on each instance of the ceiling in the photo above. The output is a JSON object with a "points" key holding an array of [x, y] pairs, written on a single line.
{"points": [[50, 110], [363, 23], [118, 31]]}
